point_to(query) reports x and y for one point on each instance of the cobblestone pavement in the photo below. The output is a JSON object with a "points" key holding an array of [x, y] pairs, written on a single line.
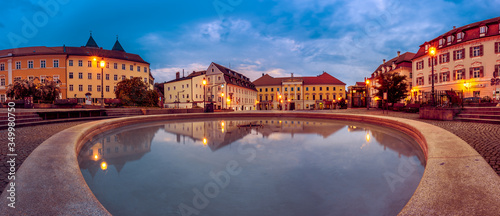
{"points": [[485, 138], [27, 139]]}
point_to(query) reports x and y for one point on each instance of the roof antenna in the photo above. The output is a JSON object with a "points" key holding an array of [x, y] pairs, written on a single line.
{"points": [[90, 33], [116, 37]]}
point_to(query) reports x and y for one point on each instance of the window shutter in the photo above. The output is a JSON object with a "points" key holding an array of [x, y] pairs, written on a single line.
{"points": [[454, 55], [463, 53], [448, 76], [429, 78], [481, 50], [496, 47], [496, 71], [440, 59], [463, 73], [454, 75], [471, 50], [423, 64], [429, 62], [481, 71], [440, 77], [471, 73]]}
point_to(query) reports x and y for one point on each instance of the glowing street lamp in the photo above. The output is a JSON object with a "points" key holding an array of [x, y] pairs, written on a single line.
{"points": [[432, 54], [102, 64], [204, 141], [204, 91], [367, 94]]}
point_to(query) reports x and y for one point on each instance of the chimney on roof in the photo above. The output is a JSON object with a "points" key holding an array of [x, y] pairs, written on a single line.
{"points": [[292, 75], [454, 27], [177, 75], [399, 53], [383, 61], [183, 73], [262, 74]]}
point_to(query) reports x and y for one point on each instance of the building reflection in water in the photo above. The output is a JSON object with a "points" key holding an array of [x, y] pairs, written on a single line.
{"points": [[116, 149], [217, 134], [392, 139]]}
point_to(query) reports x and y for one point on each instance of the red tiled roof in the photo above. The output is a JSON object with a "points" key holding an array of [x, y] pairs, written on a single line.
{"points": [[234, 78], [471, 33], [360, 84], [323, 79], [190, 76], [398, 60], [78, 51]]}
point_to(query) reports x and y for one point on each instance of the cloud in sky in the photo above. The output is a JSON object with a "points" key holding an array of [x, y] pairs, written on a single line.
{"points": [[347, 39]]}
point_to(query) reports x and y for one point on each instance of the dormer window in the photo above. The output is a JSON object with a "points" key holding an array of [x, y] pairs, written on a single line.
{"points": [[441, 42], [426, 48], [482, 31], [450, 39], [460, 36]]}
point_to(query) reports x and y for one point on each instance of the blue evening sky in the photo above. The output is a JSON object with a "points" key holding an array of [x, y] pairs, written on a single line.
{"points": [[347, 39]]}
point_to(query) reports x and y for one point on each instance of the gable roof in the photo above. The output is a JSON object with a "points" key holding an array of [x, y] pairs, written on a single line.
{"points": [[322, 79], [235, 78], [190, 76], [403, 58]]}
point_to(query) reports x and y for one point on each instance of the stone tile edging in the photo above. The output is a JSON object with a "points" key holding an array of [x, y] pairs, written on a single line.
{"points": [[456, 181]]}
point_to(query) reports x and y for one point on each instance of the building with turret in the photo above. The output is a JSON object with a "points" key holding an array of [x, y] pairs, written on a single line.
{"points": [[76, 69]]}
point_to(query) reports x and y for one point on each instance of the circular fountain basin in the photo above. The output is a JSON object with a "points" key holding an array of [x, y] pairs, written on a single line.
{"points": [[266, 166]]}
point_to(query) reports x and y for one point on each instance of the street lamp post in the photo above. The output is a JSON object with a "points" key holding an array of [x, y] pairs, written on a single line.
{"points": [[368, 94], [432, 54], [102, 63], [204, 92]]}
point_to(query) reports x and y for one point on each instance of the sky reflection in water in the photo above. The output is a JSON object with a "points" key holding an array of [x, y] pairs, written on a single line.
{"points": [[249, 167]]}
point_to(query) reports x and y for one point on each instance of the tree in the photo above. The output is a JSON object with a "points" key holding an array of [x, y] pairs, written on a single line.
{"points": [[21, 89], [134, 92], [394, 84], [46, 91]]}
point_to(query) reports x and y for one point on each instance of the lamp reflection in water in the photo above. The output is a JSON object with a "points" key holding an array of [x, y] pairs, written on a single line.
{"points": [[104, 165]]}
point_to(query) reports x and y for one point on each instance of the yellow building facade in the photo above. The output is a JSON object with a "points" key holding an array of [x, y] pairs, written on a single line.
{"points": [[184, 92], [76, 68], [285, 93]]}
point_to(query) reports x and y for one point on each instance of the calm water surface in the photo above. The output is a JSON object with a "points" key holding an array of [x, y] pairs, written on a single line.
{"points": [[252, 167]]}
